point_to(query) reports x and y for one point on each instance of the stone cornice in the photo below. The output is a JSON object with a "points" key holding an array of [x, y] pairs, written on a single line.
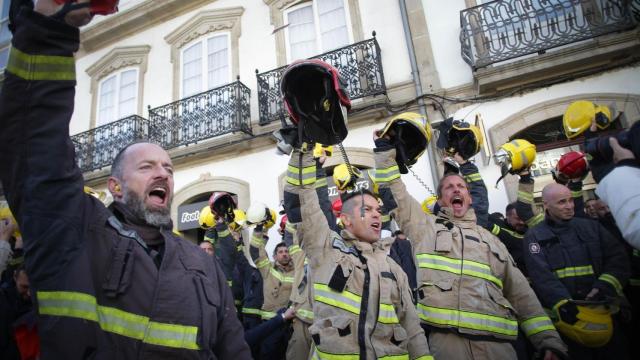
{"points": [[134, 20], [119, 58], [206, 22]]}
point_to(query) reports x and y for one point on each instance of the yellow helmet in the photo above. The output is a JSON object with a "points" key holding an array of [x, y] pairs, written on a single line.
{"points": [[518, 153], [594, 327], [428, 204], [342, 176], [239, 219], [271, 220], [579, 115], [460, 137], [321, 150], [411, 130], [5, 213], [206, 219]]}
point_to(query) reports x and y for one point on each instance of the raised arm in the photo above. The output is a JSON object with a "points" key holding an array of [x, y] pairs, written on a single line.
{"points": [[525, 207], [41, 181], [478, 192], [258, 251]]}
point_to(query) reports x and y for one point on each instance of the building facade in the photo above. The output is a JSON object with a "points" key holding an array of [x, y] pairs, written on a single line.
{"points": [[201, 78]]}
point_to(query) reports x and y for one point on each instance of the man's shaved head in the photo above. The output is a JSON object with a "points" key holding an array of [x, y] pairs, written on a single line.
{"points": [[558, 202]]}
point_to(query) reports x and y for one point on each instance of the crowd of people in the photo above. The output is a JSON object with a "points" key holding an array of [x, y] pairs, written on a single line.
{"points": [[81, 280]]}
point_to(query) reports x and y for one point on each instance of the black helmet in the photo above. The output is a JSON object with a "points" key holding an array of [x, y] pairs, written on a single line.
{"points": [[315, 98], [460, 137]]}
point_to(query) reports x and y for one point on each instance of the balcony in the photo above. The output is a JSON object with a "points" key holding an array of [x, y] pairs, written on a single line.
{"points": [[96, 148], [506, 29], [359, 64], [202, 116]]}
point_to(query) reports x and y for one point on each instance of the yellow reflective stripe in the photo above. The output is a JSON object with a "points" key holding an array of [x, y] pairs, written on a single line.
{"points": [[457, 266], [264, 262], [251, 311], [239, 248], [424, 357], [472, 177], [308, 175], [388, 174], [342, 300], [467, 319], [223, 233], [576, 194], [291, 228], [537, 324], [41, 67], [321, 355], [610, 279], [293, 249], [209, 239], [266, 315], [525, 197], [495, 230], [110, 319], [385, 218], [280, 276], [257, 241], [535, 220], [513, 233], [634, 282], [230, 283], [574, 271], [387, 314], [305, 313], [237, 302], [395, 357], [322, 182]]}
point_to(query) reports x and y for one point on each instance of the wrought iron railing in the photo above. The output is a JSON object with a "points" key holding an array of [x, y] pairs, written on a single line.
{"points": [[96, 148], [202, 116], [506, 29], [359, 64]]}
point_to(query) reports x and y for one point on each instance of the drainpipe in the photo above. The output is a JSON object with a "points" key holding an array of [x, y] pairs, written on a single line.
{"points": [[415, 73]]}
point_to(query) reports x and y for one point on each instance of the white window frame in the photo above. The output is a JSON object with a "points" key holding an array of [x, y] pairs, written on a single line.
{"points": [[205, 70], [316, 22], [118, 75]]}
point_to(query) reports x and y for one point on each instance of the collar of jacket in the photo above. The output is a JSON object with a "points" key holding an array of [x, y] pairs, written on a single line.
{"points": [[362, 246], [283, 268], [150, 234], [468, 221]]}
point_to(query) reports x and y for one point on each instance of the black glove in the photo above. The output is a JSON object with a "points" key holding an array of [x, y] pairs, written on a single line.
{"points": [[383, 144], [568, 312]]}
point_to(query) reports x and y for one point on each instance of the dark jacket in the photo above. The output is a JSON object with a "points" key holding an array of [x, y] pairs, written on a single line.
{"points": [[512, 239], [11, 308], [101, 294], [402, 253], [566, 260]]}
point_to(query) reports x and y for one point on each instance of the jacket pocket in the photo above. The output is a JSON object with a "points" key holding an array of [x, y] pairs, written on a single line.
{"points": [[390, 339], [210, 311], [335, 334], [501, 306], [444, 241], [435, 289], [118, 277]]}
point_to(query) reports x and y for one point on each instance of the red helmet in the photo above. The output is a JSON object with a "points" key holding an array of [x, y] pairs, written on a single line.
{"points": [[98, 7], [337, 205], [573, 165], [315, 98], [283, 223], [222, 205]]}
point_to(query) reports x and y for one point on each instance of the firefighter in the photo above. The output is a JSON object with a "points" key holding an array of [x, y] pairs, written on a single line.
{"points": [[471, 296]]}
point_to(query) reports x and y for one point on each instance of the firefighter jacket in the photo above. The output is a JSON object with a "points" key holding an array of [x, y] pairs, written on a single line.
{"points": [[251, 286], [467, 281], [362, 302], [101, 291], [300, 289], [512, 240], [276, 281], [567, 259], [226, 251]]}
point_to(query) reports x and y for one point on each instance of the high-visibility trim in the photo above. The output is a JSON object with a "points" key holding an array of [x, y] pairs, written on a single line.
{"points": [[237, 302], [305, 313], [388, 174], [395, 357], [385, 218], [387, 314], [230, 283], [535, 220], [634, 282], [293, 249], [525, 196], [251, 311], [264, 262], [321, 355], [290, 228], [239, 248], [113, 320], [468, 320], [280, 276], [209, 239], [223, 233], [576, 194], [342, 300], [458, 266], [536, 325], [41, 67], [574, 271], [424, 357], [611, 280], [322, 182], [266, 315], [512, 233], [472, 177], [308, 175], [257, 241], [495, 230]]}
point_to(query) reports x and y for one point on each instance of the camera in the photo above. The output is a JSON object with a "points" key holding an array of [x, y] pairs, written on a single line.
{"points": [[600, 149]]}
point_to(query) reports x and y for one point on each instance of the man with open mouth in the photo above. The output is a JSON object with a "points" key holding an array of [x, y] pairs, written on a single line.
{"points": [[110, 283], [471, 296]]}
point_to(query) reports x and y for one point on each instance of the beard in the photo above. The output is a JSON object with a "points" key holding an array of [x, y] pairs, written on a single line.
{"points": [[153, 217]]}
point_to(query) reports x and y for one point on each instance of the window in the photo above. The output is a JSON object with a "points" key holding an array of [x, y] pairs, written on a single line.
{"points": [[316, 27], [200, 72], [118, 96], [5, 34]]}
